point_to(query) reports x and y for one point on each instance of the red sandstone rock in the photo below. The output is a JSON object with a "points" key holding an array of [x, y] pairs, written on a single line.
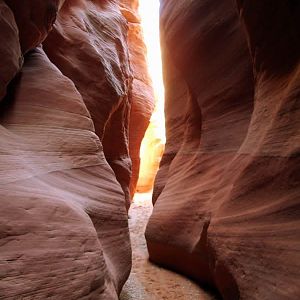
{"points": [[64, 134], [63, 222], [64, 152], [10, 53], [228, 201], [34, 19], [141, 110], [131, 5], [141, 94], [105, 80], [88, 44], [176, 92]]}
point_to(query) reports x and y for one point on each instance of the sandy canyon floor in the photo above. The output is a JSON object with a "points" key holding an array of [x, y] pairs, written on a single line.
{"points": [[148, 281]]}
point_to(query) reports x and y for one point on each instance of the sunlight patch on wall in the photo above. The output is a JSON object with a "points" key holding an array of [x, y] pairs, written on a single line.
{"points": [[153, 144]]}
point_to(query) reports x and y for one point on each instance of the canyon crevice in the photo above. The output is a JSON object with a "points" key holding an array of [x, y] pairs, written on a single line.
{"points": [[75, 101]]}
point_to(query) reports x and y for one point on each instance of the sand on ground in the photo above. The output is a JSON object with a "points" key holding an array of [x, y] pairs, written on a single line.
{"points": [[148, 281]]}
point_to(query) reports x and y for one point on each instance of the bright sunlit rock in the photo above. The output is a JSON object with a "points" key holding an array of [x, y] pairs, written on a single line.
{"points": [[153, 143], [149, 12]]}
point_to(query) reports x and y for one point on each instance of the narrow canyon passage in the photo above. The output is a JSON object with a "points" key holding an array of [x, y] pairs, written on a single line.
{"points": [[148, 281], [90, 125]]}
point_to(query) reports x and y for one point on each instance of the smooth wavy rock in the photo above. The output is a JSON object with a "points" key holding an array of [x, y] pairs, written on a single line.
{"points": [[141, 92], [88, 44], [227, 200], [63, 223]]}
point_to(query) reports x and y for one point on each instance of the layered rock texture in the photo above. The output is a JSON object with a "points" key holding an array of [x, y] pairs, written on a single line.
{"points": [[10, 52], [226, 198], [142, 95], [65, 167]]}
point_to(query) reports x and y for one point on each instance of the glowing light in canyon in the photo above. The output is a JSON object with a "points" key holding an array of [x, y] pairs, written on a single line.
{"points": [[153, 143], [149, 12]]}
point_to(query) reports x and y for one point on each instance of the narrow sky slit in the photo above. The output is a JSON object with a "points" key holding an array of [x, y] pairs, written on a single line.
{"points": [[153, 143]]}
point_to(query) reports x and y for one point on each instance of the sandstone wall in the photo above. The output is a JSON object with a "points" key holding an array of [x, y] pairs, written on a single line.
{"points": [[141, 93], [64, 149], [227, 194], [10, 52]]}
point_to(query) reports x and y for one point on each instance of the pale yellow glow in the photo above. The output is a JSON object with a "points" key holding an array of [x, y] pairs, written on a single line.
{"points": [[149, 12], [153, 143]]}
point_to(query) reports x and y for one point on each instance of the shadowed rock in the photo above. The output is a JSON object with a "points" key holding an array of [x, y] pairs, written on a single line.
{"points": [[226, 211]]}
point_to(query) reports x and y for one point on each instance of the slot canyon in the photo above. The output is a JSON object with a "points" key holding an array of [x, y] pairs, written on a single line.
{"points": [[115, 187]]}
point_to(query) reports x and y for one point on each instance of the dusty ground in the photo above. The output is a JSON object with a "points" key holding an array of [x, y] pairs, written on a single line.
{"points": [[147, 281]]}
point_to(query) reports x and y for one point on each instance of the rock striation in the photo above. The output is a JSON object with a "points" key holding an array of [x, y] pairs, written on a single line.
{"points": [[95, 58], [66, 93], [63, 220], [141, 93], [226, 196], [10, 52]]}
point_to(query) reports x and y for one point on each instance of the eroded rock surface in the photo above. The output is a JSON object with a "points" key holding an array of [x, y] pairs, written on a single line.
{"points": [[64, 161], [95, 57], [10, 52], [141, 93], [227, 195], [148, 281], [35, 19], [63, 219]]}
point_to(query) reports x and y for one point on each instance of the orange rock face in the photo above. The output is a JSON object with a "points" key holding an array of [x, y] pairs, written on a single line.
{"points": [[64, 138], [152, 149], [227, 195], [141, 93]]}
